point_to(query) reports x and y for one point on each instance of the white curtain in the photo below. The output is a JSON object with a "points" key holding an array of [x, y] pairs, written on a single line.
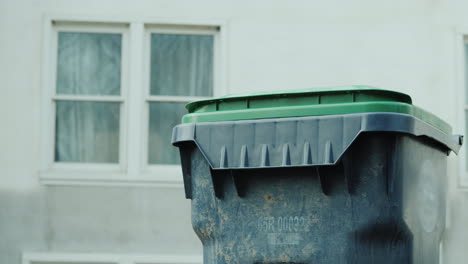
{"points": [[88, 64], [181, 65], [163, 117]]}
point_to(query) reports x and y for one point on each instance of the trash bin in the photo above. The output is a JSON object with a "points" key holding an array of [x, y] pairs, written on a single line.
{"points": [[340, 175]]}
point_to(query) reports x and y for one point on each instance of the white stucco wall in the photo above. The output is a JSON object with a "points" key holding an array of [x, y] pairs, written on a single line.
{"points": [[408, 46]]}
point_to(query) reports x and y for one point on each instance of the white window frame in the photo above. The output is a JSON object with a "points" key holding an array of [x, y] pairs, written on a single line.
{"points": [[133, 168], [461, 82], [37, 257]]}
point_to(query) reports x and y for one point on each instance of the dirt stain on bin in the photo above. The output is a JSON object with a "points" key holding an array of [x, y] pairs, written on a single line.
{"points": [[270, 198]]}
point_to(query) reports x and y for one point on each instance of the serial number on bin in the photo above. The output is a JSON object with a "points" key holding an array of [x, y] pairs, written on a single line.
{"points": [[285, 223]]}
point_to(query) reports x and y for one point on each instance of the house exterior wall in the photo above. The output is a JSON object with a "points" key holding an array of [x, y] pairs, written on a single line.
{"points": [[407, 46]]}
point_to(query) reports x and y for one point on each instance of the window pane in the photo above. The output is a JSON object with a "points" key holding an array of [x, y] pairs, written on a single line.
{"points": [[163, 117], [181, 65], [89, 63], [87, 132]]}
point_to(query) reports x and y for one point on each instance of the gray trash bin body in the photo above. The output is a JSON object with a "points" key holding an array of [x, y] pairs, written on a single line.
{"points": [[348, 188]]}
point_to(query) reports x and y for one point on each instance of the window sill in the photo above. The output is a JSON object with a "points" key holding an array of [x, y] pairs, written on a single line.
{"points": [[88, 178], [84, 258]]}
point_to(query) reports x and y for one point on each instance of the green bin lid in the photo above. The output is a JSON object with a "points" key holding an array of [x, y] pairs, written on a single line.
{"points": [[308, 102]]}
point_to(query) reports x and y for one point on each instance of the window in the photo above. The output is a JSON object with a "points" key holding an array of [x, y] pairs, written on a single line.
{"points": [[115, 91], [88, 97], [180, 71]]}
